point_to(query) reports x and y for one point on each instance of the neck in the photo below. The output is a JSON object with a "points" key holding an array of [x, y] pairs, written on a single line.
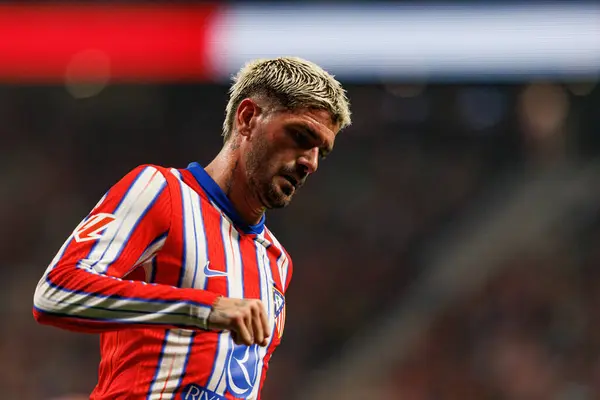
{"points": [[225, 169]]}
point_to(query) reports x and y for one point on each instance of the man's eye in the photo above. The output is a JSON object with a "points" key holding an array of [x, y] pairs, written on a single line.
{"points": [[300, 138]]}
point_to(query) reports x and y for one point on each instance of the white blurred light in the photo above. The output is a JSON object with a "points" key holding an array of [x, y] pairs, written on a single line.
{"points": [[88, 73], [390, 41]]}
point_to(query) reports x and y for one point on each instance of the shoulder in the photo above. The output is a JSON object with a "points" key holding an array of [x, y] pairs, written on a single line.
{"points": [[167, 175], [147, 171], [151, 178], [143, 179], [156, 169]]}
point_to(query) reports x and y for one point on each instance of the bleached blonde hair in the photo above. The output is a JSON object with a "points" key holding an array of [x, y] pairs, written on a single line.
{"points": [[291, 83]]}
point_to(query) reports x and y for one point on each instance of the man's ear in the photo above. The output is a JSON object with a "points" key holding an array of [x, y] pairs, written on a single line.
{"points": [[246, 116]]}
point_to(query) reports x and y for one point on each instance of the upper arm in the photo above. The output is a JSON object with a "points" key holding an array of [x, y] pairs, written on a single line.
{"points": [[125, 228]]}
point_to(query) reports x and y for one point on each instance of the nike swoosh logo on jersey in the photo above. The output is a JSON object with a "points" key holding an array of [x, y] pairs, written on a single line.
{"points": [[211, 272]]}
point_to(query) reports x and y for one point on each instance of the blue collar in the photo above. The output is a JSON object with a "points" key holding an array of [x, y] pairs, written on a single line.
{"points": [[216, 194]]}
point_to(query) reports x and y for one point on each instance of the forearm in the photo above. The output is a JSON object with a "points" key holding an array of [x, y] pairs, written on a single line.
{"points": [[78, 299]]}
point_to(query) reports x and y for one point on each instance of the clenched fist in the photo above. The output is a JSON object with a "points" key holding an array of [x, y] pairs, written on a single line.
{"points": [[245, 318]]}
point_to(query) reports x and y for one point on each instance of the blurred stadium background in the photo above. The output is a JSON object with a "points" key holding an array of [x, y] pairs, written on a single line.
{"points": [[449, 247]]}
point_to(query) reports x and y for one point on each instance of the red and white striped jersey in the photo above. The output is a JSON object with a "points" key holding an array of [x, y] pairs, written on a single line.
{"points": [[144, 268]]}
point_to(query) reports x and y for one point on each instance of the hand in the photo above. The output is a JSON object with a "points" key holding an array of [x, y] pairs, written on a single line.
{"points": [[245, 318]]}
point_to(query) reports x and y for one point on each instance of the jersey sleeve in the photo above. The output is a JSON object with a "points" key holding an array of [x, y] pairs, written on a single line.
{"points": [[85, 287]]}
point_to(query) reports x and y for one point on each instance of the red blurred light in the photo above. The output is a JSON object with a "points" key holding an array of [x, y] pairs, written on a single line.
{"points": [[142, 43]]}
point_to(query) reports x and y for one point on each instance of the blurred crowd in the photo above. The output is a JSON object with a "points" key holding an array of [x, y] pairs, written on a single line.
{"points": [[530, 333], [414, 160]]}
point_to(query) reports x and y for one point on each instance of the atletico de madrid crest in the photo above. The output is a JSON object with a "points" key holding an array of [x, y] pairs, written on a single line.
{"points": [[279, 301]]}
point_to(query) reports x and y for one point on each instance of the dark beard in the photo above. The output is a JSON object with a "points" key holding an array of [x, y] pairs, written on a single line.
{"points": [[262, 184], [275, 197]]}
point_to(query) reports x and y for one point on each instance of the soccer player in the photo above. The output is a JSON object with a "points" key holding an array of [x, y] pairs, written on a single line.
{"points": [[176, 269]]}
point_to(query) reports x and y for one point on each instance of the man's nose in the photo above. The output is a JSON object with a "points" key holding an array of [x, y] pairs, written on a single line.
{"points": [[310, 160]]}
